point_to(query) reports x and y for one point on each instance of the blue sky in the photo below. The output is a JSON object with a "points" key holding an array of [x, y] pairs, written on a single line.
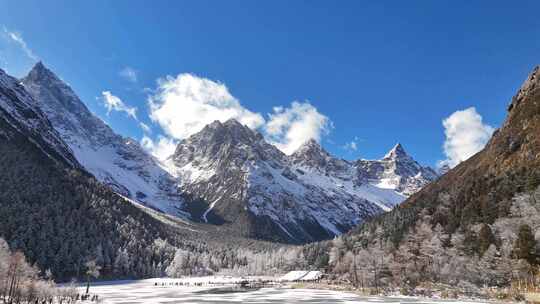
{"points": [[376, 72]]}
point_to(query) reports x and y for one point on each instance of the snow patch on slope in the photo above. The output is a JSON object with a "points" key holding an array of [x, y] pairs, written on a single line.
{"points": [[205, 214], [116, 161]]}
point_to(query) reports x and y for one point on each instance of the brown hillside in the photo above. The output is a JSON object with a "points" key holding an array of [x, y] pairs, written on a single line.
{"points": [[479, 190]]}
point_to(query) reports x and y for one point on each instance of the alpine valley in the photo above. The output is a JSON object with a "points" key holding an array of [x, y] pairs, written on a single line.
{"points": [[77, 196], [269, 152], [227, 174]]}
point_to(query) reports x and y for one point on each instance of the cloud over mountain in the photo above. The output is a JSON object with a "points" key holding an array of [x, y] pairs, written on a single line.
{"points": [[466, 134], [18, 39], [183, 105], [289, 128], [114, 103]]}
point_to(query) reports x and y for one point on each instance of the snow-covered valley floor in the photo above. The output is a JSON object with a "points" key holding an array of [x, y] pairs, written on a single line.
{"points": [[145, 291]]}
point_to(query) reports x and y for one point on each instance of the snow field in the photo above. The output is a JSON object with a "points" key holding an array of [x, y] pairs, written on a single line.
{"points": [[145, 291]]}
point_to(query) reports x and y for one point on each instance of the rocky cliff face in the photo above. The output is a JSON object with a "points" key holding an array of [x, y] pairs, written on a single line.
{"points": [[480, 204], [53, 210], [230, 175], [117, 161], [513, 153], [18, 109], [397, 170]]}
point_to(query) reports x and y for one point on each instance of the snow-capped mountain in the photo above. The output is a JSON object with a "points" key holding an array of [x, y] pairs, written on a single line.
{"points": [[226, 173], [117, 161], [230, 174], [397, 171], [19, 111]]}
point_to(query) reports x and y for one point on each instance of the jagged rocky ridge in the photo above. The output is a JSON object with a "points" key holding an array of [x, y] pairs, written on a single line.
{"points": [[19, 110], [53, 210], [396, 170], [119, 162], [230, 175], [60, 216]]}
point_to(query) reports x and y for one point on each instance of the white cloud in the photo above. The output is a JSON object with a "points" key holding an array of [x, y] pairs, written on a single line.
{"points": [[162, 149], [466, 134], [146, 129], [183, 105], [352, 145], [289, 128], [113, 103], [129, 73], [18, 39]]}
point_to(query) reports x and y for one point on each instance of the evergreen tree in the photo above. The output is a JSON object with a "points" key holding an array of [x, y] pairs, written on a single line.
{"points": [[525, 245], [485, 239]]}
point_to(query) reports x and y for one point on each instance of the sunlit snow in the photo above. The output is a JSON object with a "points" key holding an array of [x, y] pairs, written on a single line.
{"points": [[146, 291]]}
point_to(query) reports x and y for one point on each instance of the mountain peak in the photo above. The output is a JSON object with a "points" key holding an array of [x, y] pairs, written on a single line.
{"points": [[59, 101], [41, 72], [232, 122], [231, 126], [310, 144], [230, 134], [396, 152], [310, 147], [214, 125], [311, 154], [39, 65]]}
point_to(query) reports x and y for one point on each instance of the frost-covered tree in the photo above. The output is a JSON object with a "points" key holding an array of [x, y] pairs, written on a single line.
{"points": [[20, 281], [122, 263], [180, 265], [92, 271]]}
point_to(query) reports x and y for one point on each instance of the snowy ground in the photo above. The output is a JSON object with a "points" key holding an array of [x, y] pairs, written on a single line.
{"points": [[145, 291]]}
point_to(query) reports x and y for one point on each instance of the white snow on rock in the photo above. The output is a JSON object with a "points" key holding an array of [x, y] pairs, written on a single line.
{"points": [[396, 171], [226, 168], [19, 110], [232, 164], [116, 161], [209, 209]]}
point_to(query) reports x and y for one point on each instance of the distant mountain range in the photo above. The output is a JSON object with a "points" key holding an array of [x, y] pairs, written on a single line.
{"points": [[229, 174], [73, 189], [226, 174]]}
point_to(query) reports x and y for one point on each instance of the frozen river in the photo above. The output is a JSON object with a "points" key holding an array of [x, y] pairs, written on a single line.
{"points": [[139, 292]]}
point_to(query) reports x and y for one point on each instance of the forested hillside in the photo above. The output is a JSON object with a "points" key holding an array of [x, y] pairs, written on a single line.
{"points": [[479, 223], [61, 217], [229, 174]]}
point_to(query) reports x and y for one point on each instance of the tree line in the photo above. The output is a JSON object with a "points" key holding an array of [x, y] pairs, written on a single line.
{"points": [[502, 253]]}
